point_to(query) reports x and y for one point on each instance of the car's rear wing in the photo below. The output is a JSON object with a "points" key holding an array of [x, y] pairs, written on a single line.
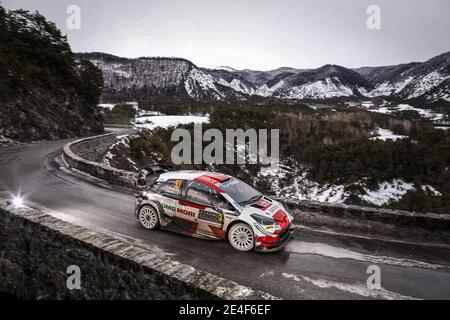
{"points": [[149, 174]]}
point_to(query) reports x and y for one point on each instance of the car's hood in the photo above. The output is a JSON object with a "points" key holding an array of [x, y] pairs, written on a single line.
{"points": [[270, 208]]}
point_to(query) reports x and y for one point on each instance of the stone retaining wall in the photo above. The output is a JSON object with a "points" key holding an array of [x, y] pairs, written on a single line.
{"points": [[84, 155], [93, 148], [36, 250], [426, 228]]}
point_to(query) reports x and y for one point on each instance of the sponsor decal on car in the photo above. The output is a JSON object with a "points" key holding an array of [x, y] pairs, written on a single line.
{"points": [[273, 227], [210, 216], [168, 207], [186, 212]]}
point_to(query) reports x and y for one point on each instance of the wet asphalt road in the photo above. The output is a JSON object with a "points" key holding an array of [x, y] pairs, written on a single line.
{"points": [[314, 265]]}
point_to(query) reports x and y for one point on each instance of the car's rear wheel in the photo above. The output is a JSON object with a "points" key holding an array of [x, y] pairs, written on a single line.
{"points": [[148, 217], [241, 237]]}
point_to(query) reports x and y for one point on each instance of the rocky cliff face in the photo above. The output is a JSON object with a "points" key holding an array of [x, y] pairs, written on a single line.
{"points": [[143, 78], [146, 78], [45, 93]]}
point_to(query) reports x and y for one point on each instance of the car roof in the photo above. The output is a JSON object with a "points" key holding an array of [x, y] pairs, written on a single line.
{"points": [[208, 177]]}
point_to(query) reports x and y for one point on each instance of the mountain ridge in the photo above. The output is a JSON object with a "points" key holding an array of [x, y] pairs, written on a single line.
{"points": [[148, 77]]}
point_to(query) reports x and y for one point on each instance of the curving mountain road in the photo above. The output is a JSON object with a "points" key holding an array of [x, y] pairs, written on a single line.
{"points": [[313, 265]]}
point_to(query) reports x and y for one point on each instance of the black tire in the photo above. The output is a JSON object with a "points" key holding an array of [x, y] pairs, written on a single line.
{"points": [[148, 217], [241, 237]]}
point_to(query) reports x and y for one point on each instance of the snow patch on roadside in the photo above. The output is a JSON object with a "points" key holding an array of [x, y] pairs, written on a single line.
{"points": [[301, 187], [290, 183], [123, 142], [6, 141], [387, 192], [430, 189]]}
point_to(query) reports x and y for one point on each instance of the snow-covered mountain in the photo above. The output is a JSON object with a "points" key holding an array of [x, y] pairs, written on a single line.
{"points": [[329, 81], [144, 78], [429, 80]]}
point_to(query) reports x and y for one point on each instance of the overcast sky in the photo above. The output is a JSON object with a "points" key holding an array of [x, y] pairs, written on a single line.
{"points": [[256, 34]]}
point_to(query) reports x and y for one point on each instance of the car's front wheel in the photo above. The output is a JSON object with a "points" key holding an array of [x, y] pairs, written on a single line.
{"points": [[241, 237], [148, 217]]}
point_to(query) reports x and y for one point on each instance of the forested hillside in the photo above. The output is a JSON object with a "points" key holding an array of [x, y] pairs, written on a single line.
{"points": [[45, 93]]}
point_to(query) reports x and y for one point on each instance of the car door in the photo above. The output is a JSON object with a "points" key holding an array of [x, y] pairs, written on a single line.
{"points": [[205, 202], [170, 192], [180, 218]]}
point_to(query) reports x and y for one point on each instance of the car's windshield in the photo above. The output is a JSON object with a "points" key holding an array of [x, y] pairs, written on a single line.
{"points": [[240, 191]]}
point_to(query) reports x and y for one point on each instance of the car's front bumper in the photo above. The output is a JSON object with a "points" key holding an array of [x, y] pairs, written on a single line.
{"points": [[275, 246]]}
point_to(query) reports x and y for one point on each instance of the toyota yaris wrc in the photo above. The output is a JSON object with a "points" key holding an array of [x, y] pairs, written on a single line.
{"points": [[212, 206]]}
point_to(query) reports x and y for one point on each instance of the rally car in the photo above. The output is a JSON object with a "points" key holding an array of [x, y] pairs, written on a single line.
{"points": [[211, 205]]}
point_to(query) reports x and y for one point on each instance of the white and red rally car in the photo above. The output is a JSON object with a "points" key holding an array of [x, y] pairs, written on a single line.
{"points": [[214, 206]]}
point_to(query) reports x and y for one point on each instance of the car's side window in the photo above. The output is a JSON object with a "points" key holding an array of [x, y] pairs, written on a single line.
{"points": [[221, 203], [171, 188], [201, 193]]}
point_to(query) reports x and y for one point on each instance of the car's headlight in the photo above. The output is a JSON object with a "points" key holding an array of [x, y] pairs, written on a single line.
{"points": [[265, 221], [267, 230]]}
